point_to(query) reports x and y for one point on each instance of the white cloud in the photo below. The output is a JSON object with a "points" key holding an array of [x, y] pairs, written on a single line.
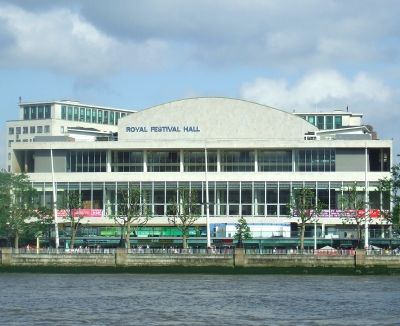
{"points": [[65, 42], [327, 88]]}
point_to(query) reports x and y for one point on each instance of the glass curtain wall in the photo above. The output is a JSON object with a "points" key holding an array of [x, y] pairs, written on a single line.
{"points": [[267, 199]]}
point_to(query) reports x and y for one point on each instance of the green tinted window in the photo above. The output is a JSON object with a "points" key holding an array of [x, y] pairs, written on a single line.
{"points": [[64, 112], [76, 113], [70, 115], [88, 114], [320, 122], [338, 121], [94, 115], [329, 122]]}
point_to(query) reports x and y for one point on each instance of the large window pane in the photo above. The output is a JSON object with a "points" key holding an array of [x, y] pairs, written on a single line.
{"points": [[237, 161], [163, 161]]}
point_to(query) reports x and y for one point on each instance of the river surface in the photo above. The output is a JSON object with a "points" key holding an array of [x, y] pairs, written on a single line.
{"points": [[182, 299]]}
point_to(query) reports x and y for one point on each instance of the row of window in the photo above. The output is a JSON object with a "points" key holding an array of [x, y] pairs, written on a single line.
{"points": [[225, 198], [91, 115], [323, 122], [29, 130], [315, 160], [36, 112]]}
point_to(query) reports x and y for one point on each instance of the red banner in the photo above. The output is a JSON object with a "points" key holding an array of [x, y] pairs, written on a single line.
{"points": [[374, 213], [82, 212]]}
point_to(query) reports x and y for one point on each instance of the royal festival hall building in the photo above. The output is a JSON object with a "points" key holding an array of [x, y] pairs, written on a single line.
{"points": [[256, 156]]}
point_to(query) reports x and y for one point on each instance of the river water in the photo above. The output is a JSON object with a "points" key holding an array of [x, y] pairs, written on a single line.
{"points": [[183, 299]]}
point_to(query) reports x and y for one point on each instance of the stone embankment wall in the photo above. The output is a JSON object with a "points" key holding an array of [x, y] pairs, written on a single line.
{"points": [[121, 258]]}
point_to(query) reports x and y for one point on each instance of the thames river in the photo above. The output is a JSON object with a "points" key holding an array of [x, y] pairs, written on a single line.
{"points": [[188, 299]]}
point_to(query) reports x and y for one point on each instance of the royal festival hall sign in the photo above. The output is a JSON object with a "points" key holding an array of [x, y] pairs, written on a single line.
{"points": [[166, 129]]}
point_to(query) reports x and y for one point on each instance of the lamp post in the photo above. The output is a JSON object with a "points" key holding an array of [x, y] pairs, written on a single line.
{"points": [[366, 231], [315, 235], [57, 238], [207, 200]]}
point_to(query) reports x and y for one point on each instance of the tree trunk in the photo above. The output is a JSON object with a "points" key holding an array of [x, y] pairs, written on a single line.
{"points": [[16, 241], [302, 232], [359, 245], [73, 236], [128, 236], [184, 240]]}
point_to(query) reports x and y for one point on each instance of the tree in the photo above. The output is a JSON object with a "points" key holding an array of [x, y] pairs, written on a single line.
{"points": [[71, 205], [390, 190], [242, 231], [132, 212], [306, 208], [353, 210], [184, 212], [17, 205]]}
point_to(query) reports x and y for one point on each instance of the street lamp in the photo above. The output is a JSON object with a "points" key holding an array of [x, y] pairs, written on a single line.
{"points": [[57, 238], [207, 200], [366, 236]]}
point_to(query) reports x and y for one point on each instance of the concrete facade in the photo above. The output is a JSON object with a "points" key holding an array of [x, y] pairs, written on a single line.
{"points": [[258, 156]]}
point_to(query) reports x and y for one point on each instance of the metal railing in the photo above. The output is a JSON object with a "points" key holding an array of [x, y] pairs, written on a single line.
{"points": [[372, 251]]}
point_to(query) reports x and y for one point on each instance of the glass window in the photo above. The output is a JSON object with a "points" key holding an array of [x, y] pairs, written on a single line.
{"points": [[88, 114], [18, 130], [105, 117], [40, 110], [11, 131], [316, 160], [94, 116], [194, 161], [99, 116], [32, 129], [116, 117], [24, 130], [272, 193], [259, 198], [47, 112], [111, 118], [163, 161], [64, 112], [329, 122], [76, 113], [338, 121], [47, 129], [39, 129], [274, 160], [320, 122], [26, 112], [33, 112], [82, 114], [70, 113], [311, 119], [237, 161], [127, 161]]}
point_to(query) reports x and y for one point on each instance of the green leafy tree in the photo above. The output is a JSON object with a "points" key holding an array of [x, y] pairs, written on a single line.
{"points": [[17, 205], [184, 212], [390, 190], [132, 212], [71, 204], [242, 231], [353, 210], [305, 208]]}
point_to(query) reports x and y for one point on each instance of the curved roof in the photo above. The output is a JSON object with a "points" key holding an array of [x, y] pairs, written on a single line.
{"points": [[212, 118]]}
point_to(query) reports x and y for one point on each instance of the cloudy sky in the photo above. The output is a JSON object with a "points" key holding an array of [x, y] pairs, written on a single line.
{"points": [[303, 55]]}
